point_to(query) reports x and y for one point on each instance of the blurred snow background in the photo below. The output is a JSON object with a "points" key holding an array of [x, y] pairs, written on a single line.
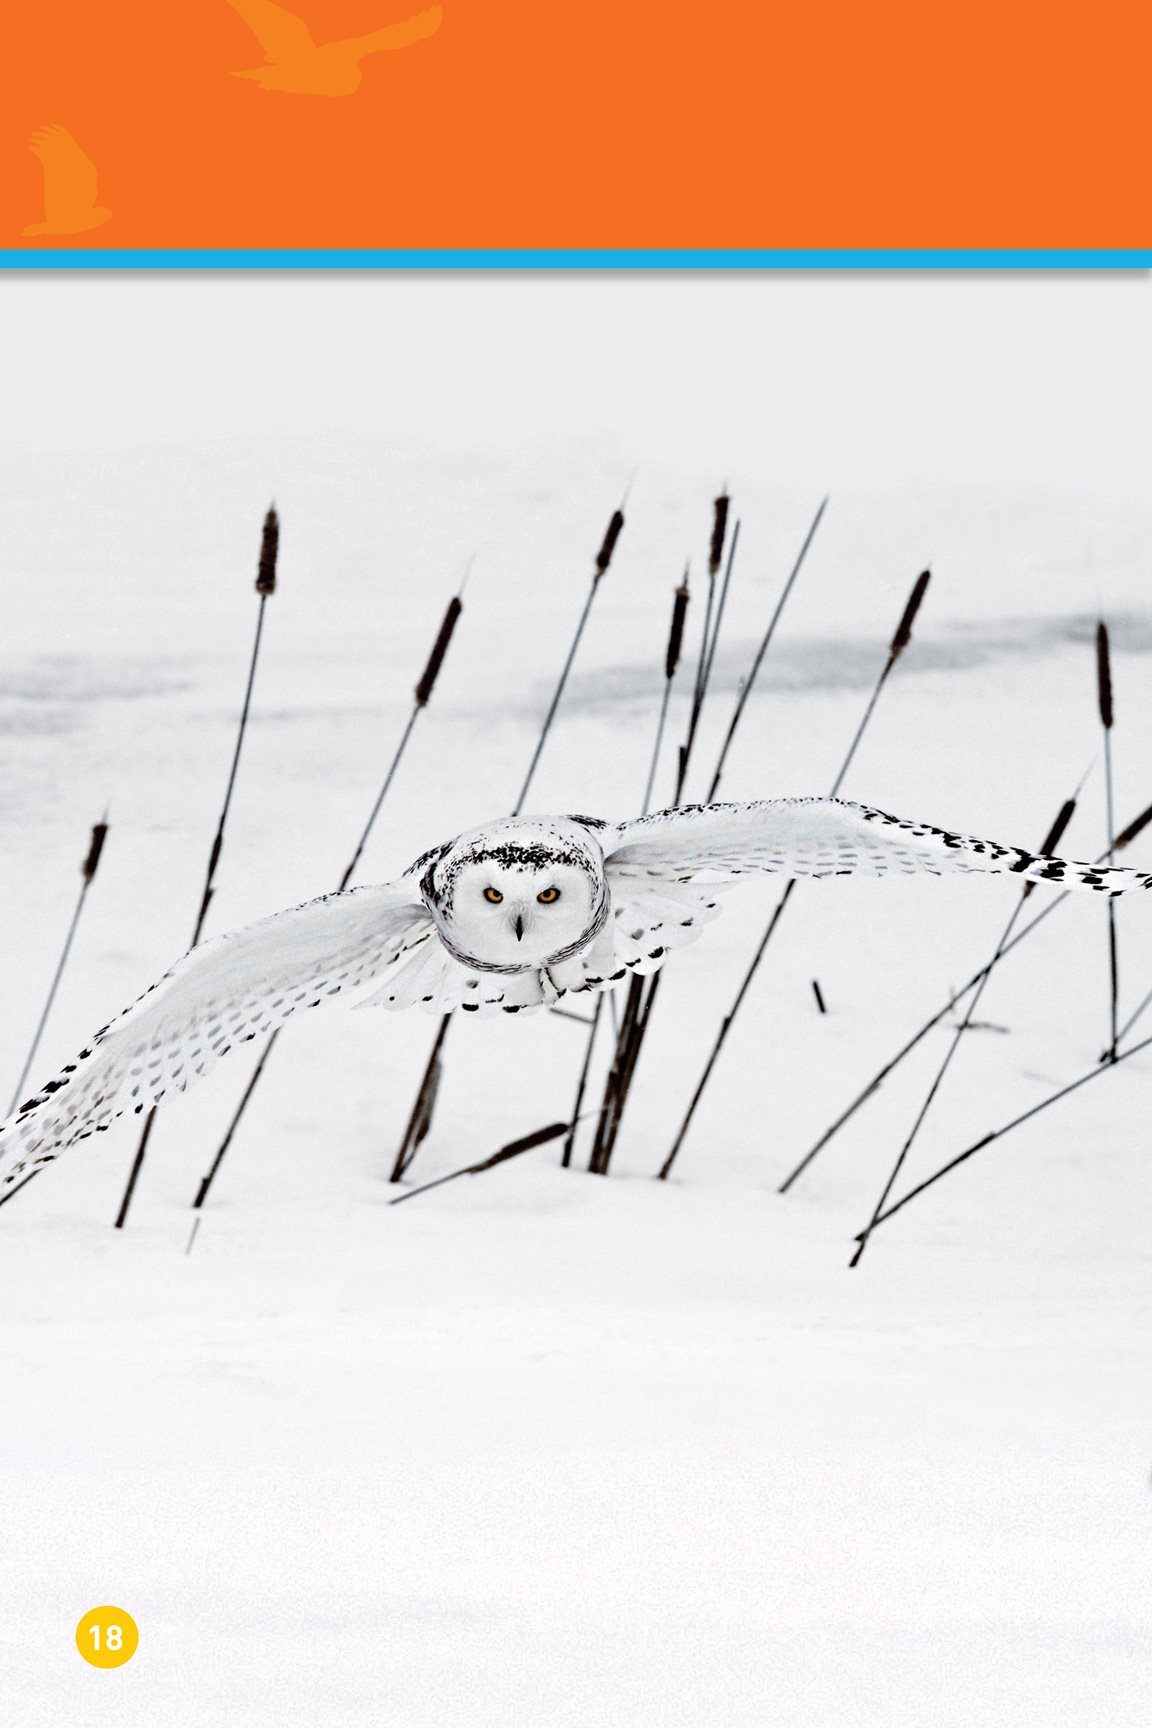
{"points": [[543, 1449]]}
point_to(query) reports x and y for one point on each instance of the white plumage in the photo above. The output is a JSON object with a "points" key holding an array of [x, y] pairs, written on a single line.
{"points": [[506, 918]]}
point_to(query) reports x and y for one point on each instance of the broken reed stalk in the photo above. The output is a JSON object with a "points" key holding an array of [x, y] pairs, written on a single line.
{"points": [[1051, 841], [421, 697], [900, 641], [1123, 839], [999, 1133], [642, 992], [88, 871], [420, 1121], [746, 691], [408, 1144], [1104, 699], [265, 588], [526, 1143]]}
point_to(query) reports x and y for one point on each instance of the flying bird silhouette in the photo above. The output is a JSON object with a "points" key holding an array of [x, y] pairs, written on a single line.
{"points": [[503, 919], [296, 64], [70, 204]]}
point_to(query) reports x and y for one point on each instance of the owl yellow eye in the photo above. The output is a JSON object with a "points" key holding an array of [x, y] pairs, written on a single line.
{"points": [[493, 896], [547, 895]]}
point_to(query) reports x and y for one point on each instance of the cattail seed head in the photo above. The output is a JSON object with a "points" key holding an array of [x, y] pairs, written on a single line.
{"points": [[88, 868], [269, 550], [1127, 835], [539, 1137], [1056, 832], [719, 528], [608, 546], [1054, 836], [904, 629], [676, 630], [439, 649], [1104, 676]]}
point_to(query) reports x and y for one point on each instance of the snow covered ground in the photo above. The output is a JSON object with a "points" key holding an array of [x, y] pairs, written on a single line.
{"points": [[542, 1449]]}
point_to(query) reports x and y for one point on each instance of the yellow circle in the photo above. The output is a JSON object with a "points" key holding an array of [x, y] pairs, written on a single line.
{"points": [[107, 1637]]}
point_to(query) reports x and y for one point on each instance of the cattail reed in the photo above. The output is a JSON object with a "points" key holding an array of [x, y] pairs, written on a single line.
{"points": [[87, 876], [265, 588], [708, 640], [896, 647], [715, 552], [1051, 841], [526, 1143], [720, 507], [672, 654], [999, 1133], [712, 619], [671, 662], [600, 570], [1104, 699], [421, 697], [601, 565], [765, 643], [642, 992], [1123, 839]]}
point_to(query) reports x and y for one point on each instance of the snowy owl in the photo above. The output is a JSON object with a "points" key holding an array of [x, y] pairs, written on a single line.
{"points": [[505, 918]]}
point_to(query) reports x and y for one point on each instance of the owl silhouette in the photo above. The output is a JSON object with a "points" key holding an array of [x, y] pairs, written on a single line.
{"points": [[297, 65], [70, 205]]}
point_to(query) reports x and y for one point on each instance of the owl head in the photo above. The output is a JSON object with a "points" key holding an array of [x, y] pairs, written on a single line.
{"points": [[518, 894]]}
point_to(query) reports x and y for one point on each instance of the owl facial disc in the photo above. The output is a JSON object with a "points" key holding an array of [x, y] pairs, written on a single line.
{"points": [[518, 894]]}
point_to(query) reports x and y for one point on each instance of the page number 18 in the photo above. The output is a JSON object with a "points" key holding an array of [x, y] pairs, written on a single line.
{"points": [[107, 1637]]}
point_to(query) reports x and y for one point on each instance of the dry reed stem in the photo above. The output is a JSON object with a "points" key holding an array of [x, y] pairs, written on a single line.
{"points": [[1051, 841], [999, 1133], [1135, 827], [746, 688]]}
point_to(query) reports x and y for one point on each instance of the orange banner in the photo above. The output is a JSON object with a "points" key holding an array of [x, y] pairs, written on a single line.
{"points": [[363, 123]]}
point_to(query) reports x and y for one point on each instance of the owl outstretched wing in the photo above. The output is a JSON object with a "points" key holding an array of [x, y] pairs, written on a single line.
{"points": [[817, 837], [222, 993]]}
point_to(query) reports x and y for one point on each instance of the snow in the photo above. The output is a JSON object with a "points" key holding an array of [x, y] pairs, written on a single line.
{"points": [[542, 1449]]}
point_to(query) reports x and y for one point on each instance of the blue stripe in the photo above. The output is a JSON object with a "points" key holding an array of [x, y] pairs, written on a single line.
{"points": [[626, 258]]}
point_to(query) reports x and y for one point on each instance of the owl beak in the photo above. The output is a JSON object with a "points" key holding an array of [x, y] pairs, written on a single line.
{"points": [[518, 926]]}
